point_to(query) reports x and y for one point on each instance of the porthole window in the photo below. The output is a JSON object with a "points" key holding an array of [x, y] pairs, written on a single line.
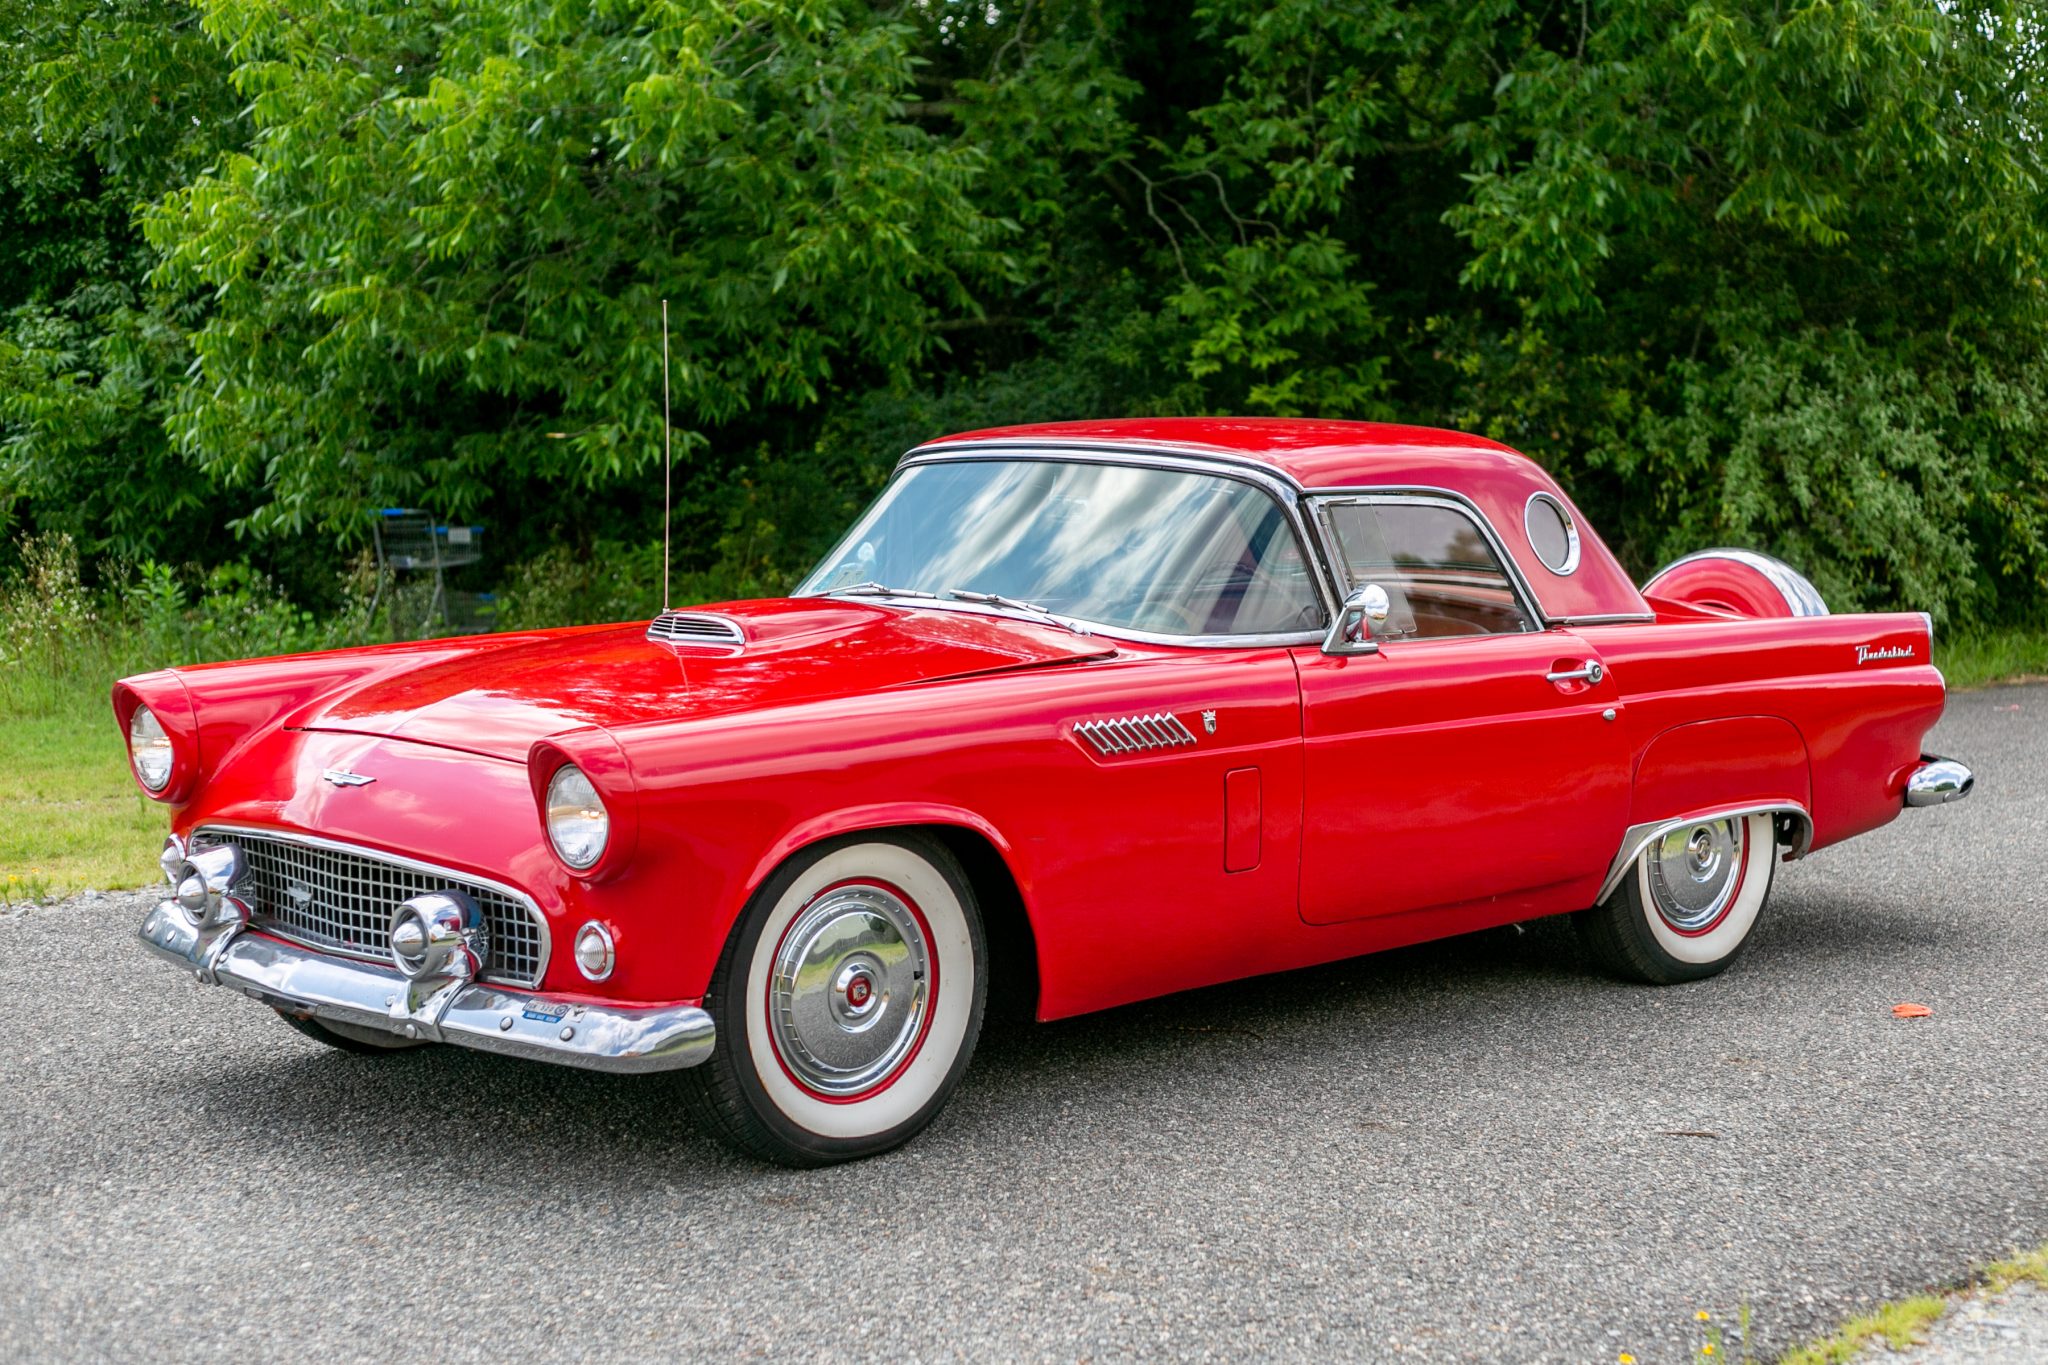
{"points": [[1552, 535]]}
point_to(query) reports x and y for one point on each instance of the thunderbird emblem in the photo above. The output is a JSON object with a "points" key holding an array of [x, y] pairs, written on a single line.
{"points": [[342, 777]]}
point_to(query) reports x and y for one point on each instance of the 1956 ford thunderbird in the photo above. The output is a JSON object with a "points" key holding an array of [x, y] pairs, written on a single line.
{"points": [[1095, 710]]}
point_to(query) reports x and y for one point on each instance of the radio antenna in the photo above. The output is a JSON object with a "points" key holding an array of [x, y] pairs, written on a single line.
{"points": [[667, 458]]}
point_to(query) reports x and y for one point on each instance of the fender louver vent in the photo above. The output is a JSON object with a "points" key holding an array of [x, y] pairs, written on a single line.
{"points": [[695, 628], [1136, 734]]}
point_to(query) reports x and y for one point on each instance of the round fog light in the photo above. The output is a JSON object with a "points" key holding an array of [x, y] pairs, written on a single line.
{"points": [[594, 954]]}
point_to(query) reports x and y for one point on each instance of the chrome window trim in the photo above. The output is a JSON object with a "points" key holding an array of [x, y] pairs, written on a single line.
{"points": [[1571, 533], [547, 944], [1322, 501], [1639, 837], [1262, 476], [1615, 618]]}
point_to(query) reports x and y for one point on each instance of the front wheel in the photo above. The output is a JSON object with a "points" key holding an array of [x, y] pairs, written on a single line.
{"points": [[848, 1000], [1687, 905]]}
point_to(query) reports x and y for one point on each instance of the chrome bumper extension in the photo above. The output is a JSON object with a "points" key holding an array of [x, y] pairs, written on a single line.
{"points": [[526, 1024], [1938, 781]]}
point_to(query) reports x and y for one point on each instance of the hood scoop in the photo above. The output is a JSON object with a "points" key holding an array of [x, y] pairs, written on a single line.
{"points": [[696, 628]]}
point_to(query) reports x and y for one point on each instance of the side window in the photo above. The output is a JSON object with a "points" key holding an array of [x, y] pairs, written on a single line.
{"points": [[1440, 573]]}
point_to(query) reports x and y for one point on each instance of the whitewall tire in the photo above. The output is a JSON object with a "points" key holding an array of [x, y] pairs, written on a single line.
{"points": [[848, 1001], [1688, 904]]}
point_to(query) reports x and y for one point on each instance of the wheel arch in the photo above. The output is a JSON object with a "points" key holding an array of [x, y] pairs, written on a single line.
{"points": [[984, 855], [1791, 823], [1713, 769]]}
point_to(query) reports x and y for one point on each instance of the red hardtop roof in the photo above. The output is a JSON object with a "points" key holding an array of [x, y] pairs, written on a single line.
{"points": [[1313, 452], [1319, 454]]}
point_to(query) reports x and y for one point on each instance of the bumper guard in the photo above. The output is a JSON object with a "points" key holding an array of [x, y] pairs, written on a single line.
{"points": [[1936, 781]]}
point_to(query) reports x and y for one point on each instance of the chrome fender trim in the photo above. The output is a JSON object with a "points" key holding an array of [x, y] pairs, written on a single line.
{"points": [[1640, 837], [543, 1028]]}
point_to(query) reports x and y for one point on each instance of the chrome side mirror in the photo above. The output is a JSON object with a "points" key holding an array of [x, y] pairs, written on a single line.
{"points": [[1365, 611]]}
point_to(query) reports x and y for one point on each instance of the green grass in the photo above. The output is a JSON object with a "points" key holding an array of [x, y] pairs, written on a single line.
{"points": [[1898, 1325], [1905, 1323], [1980, 659], [70, 816]]}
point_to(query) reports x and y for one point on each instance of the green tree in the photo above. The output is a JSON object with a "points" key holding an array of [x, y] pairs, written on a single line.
{"points": [[104, 105], [1761, 274], [438, 268]]}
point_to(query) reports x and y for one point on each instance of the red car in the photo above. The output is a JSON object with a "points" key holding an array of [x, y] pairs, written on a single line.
{"points": [[1097, 710]]}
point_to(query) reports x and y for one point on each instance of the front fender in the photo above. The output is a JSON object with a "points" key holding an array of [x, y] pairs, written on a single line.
{"points": [[882, 816]]}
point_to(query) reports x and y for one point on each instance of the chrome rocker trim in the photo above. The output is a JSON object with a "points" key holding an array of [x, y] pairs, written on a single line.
{"points": [[1936, 781], [1640, 837], [490, 1018]]}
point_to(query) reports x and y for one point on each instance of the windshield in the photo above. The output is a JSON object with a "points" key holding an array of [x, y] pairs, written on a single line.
{"points": [[1163, 551]]}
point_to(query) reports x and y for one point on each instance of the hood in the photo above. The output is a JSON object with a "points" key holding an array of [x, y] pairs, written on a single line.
{"points": [[497, 697]]}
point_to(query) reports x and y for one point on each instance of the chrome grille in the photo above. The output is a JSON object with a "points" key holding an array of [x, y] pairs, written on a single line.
{"points": [[695, 628], [340, 899], [1135, 734]]}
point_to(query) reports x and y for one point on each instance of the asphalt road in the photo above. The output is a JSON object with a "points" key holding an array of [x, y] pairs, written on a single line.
{"points": [[1474, 1150]]}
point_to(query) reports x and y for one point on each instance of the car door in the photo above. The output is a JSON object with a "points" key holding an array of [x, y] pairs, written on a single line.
{"points": [[1475, 755]]}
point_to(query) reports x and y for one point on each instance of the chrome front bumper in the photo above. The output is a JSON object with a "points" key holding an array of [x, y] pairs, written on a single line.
{"points": [[527, 1024], [1936, 781]]}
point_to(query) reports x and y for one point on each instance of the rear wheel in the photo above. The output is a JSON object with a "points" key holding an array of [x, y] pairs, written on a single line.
{"points": [[848, 999], [1686, 907], [367, 1042]]}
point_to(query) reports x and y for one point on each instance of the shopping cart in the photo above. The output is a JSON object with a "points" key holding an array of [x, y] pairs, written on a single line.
{"points": [[413, 542]]}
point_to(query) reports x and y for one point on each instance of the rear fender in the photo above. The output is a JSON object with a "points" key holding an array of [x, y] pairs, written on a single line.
{"points": [[1713, 769], [1755, 762]]}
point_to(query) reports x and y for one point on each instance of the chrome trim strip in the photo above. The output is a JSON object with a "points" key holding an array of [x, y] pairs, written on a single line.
{"points": [[1571, 533], [1058, 446], [547, 945], [1937, 781], [1617, 618], [1525, 597], [1639, 837], [1800, 596], [543, 1028], [1244, 469]]}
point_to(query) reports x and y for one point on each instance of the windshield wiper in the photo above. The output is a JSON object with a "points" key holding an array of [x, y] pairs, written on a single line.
{"points": [[873, 589], [996, 599]]}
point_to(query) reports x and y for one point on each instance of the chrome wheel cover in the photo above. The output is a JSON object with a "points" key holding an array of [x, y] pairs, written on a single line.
{"points": [[850, 990], [1694, 871]]}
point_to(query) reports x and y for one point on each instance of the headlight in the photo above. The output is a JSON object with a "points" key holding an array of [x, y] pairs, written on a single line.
{"points": [[149, 749], [578, 824]]}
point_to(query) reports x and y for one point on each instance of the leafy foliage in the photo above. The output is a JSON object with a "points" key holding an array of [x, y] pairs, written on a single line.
{"points": [[1740, 273]]}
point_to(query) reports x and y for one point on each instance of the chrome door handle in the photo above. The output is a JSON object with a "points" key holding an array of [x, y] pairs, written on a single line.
{"points": [[1591, 673]]}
